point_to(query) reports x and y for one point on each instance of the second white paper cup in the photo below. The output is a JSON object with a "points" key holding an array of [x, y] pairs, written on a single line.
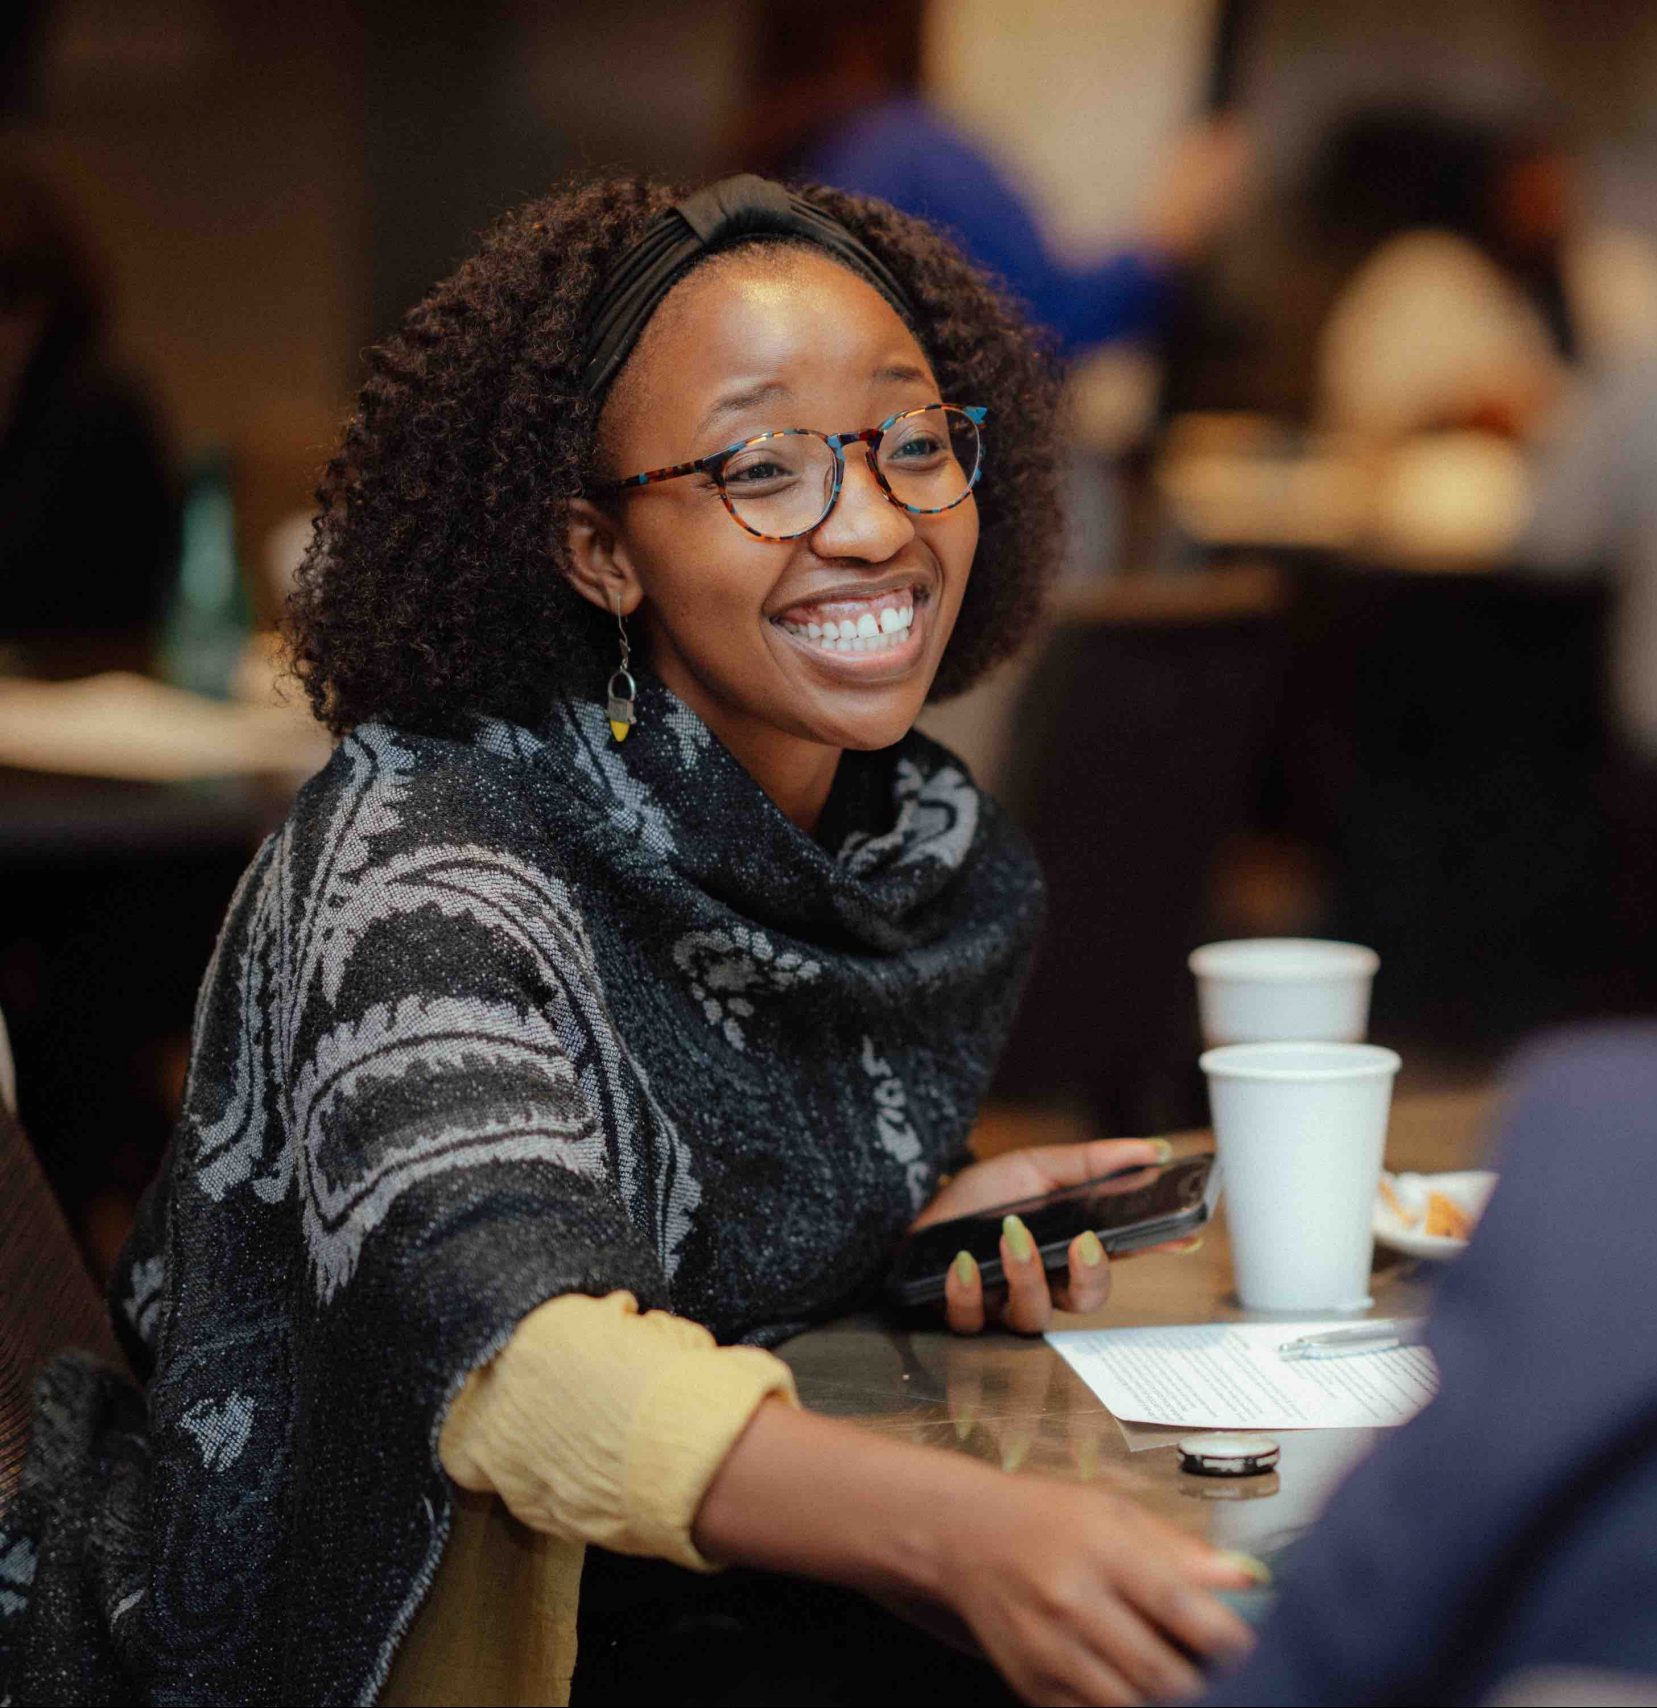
{"points": [[1300, 1129], [1260, 989]]}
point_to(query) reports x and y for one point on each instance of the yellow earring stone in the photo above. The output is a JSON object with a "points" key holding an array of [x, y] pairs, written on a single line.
{"points": [[620, 710]]}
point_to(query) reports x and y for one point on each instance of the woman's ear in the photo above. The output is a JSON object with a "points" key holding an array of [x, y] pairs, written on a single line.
{"points": [[598, 565]]}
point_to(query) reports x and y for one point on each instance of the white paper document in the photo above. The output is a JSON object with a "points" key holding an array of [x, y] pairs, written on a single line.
{"points": [[1230, 1376]]}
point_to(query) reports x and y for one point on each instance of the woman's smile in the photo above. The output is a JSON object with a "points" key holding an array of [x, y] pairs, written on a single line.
{"points": [[860, 634]]}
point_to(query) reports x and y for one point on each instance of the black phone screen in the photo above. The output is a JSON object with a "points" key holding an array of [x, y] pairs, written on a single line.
{"points": [[1133, 1207]]}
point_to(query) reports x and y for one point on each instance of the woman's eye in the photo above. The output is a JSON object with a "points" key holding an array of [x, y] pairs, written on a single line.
{"points": [[758, 473], [918, 447]]}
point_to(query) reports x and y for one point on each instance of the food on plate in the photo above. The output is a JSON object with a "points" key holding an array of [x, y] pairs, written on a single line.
{"points": [[1394, 1203], [1446, 1220], [1412, 1208]]}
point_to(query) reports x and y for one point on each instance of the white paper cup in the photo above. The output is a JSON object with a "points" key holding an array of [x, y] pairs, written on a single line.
{"points": [[1300, 1128], [1262, 989]]}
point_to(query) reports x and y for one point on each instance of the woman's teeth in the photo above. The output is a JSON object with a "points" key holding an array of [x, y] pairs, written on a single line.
{"points": [[875, 630]]}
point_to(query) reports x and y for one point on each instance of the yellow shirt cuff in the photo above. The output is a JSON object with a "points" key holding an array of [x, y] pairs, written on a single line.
{"points": [[687, 1422], [598, 1425]]}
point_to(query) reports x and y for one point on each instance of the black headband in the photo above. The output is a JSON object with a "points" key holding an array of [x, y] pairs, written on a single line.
{"points": [[714, 218]]}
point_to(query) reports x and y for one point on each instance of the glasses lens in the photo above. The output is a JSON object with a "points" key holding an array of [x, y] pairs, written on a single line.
{"points": [[781, 486], [930, 457]]}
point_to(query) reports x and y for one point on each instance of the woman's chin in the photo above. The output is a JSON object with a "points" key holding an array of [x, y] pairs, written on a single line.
{"points": [[865, 729], [862, 702]]}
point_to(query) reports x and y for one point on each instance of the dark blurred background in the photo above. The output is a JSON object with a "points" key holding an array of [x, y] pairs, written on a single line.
{"points": [[1357, 633]]}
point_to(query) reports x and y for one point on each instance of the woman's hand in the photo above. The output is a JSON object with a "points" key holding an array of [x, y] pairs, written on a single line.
{"points": [[1029, 1301], [1076, 1594], [1081, 1595]]}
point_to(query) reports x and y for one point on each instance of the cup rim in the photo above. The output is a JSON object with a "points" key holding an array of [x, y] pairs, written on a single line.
{"points": [[1305, 957], [1357, 1061]]}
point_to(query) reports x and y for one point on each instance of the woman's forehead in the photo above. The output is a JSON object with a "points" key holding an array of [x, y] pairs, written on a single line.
{"points": [[775, 320]]}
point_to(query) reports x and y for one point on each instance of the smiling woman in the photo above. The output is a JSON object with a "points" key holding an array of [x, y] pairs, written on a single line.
{"points": [[518, 1026], [434, 590], [828, 526]]}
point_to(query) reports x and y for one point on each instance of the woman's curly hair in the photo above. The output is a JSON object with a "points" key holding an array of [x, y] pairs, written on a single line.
{"points": [[433, 590]]}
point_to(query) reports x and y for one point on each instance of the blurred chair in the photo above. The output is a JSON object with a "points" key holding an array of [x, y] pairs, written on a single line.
{"points": [[47, 1301], [1137, 747], [1443, 738]]}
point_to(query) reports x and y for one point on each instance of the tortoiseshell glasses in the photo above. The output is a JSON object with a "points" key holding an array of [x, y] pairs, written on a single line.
{"points": [[782, 485]]}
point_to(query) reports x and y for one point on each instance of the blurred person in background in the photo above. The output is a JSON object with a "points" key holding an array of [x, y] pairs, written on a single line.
{"points": [[88, 516], [842, 103], [1424, 271], [1473, 284]]}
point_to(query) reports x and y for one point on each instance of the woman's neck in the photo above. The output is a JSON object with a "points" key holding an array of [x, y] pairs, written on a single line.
{"points": [[795, 773]]}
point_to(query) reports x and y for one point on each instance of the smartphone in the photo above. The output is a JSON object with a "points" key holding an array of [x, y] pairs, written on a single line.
{"points": [[1128, 1210]]}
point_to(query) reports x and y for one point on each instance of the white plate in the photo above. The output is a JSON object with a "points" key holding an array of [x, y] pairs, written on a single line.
{"points": [[1468, 1191]]}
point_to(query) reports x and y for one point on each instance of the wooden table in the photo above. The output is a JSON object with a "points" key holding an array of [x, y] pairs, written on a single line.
{"points": [[1016, 1403]]}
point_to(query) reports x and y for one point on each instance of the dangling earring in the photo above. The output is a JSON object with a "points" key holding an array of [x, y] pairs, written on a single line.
{"points": [[622, 688]]}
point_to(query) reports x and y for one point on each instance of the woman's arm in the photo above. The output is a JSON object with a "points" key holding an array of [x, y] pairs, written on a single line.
{"points": [[1076, 1594], [600, 1425]]}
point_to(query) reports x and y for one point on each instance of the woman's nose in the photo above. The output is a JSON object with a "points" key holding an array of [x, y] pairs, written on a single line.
{"points": [[864, 522]]}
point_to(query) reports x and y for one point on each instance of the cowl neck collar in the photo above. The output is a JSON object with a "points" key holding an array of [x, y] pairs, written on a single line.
{"points": [[900, 829]]}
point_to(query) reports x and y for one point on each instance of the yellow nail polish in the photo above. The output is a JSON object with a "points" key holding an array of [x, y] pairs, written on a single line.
{"points": [[1256, 1569], [1018, 1238], [966, 1271], [1089, 1250], [1191, 1247], [1164, 1151]]}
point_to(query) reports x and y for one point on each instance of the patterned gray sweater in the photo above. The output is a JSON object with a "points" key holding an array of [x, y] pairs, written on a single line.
{"points": [[491, 1021]]}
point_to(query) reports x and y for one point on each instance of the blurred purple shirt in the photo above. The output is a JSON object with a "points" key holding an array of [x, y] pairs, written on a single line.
{"points": [[907, 154]]}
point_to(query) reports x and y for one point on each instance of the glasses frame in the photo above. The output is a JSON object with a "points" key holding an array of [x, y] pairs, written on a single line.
{"points": [[714, 466]]}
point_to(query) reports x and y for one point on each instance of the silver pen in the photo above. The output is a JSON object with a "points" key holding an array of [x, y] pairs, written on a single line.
{"points": [[1365, 1337]]}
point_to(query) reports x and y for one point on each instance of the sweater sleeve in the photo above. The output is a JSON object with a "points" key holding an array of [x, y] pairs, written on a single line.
{"points": [[597, 1424]]}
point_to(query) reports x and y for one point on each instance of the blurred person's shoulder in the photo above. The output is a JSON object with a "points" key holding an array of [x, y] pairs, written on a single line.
{"points": [[897, 122], [1577, 1149], [1590, 1066], [902, 150]]}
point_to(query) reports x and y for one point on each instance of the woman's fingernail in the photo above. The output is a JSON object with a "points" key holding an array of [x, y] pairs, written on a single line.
{"points": [[1256, 1569], [1018, 1238], [1187, 1246], [1164, 1154], [1089, 1250], [966, 1271]]}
